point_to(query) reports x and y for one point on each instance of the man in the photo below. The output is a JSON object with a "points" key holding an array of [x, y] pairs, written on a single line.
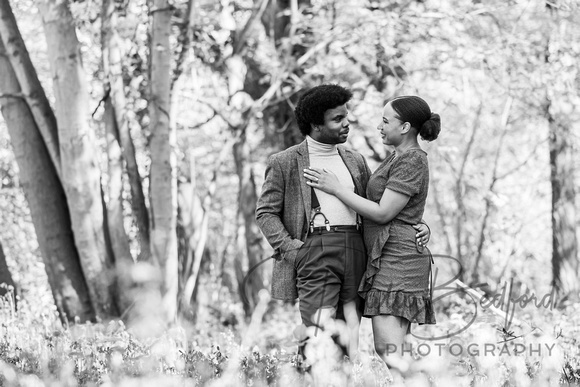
{"points": [[319, 250]]}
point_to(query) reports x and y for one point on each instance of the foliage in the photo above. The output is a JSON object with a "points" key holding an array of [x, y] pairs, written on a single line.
{"points": [[36, 350]]}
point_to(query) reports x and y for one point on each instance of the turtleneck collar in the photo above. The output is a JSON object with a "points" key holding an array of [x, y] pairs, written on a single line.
{"points": [[320, 148]]}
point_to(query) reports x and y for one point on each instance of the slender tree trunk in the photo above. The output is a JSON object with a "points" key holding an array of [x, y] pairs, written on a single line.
{"points": [[459, 197], [115, 219], [242, 74], [47, 202], [193, 228], [5, 275], [249, 243], [184, 39], [163, 182], [252, 282], [442, 215], [193, 232], [565, 259], [30, 86], [112, 66], [490, 191], [80, 168]]}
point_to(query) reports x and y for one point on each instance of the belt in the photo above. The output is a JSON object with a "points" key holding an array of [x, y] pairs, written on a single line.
{"points": [[330, 229]]}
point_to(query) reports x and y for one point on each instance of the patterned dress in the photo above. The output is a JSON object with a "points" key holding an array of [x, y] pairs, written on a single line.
{"points": [[396, 281]]}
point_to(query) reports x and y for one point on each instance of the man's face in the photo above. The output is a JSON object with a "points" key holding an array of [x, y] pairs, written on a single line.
{"points": [[335, 129]]}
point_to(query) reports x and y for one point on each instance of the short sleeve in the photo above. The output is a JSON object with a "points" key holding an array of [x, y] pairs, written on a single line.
{"points": [[408, 174]]}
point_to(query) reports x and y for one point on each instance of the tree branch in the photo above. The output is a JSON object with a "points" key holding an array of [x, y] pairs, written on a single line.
{"points": [[153, 10], [200, 124], [13, 95], [102, 101], [217, 111], [263, 101], [523, 163], [470, 143], [256, 14]]}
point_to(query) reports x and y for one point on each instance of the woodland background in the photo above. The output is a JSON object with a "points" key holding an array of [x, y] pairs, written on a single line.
{"points": [[135, 134]]}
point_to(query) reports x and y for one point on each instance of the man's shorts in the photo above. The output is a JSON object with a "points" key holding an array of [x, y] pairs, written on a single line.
{"points": [[330, 266]]}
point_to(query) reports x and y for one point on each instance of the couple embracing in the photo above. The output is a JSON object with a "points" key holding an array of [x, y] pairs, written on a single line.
{"points": [[348, 242]]}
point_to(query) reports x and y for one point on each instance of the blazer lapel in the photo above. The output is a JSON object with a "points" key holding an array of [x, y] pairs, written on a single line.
{"points": [[352, 166], [303, 163]]}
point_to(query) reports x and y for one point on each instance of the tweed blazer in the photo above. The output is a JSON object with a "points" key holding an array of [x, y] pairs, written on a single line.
{"points": [[283, 209]]}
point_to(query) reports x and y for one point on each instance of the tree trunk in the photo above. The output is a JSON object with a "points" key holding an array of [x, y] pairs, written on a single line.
{"points": [[184, 41], [243, 74], [6, 280], [279, 21], [47, 202], [459, 198], [490, 191], [115, 219], [163, 182], [80, 168], [30, 86], [444, 227], [252, 282], [248, 236], [112, 67], [193, 230], [565, 260]]}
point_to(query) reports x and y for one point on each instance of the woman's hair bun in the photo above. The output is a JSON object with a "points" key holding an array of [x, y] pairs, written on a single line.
{"points": [[431, 128]]}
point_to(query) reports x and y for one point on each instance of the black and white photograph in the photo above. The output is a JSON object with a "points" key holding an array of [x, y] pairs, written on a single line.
{"points": [[333, 193]]}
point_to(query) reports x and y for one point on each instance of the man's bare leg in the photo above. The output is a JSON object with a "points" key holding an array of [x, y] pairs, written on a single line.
{"points": [[352, 318]]}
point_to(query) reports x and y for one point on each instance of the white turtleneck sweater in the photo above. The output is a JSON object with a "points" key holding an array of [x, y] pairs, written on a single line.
{"points": [[326, 156]]}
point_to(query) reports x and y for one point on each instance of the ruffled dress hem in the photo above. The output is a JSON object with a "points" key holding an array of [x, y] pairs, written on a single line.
{"points": [[417, 308]]}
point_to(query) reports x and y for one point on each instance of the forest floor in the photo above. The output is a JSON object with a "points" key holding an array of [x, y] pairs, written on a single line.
{"points": [[469, 346]]}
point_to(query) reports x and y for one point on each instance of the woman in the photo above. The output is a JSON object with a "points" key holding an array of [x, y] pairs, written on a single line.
{"points": [[396, 282]]}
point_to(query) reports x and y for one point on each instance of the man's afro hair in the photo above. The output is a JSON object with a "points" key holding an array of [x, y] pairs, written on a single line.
{"points": [[312, 105]]}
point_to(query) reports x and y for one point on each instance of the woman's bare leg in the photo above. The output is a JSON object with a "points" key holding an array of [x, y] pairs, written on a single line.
{"points": [[389, 336]]}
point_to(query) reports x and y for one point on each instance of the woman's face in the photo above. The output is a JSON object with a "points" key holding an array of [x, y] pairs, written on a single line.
{"points": [[390, 126]]}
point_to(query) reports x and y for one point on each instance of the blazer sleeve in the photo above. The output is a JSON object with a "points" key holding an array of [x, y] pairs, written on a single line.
{"points": [[269, 212]]}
